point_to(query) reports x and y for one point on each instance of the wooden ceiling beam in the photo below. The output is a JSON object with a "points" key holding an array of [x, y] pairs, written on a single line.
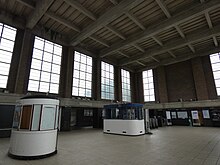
{"points": [[163, 8], [181, 17], [135, 20], [174, 44], [115, 31], [81, 9], [109, 16], [41, 8]]}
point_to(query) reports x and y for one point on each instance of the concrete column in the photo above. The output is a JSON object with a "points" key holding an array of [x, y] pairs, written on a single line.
{"points": [[117, 81], [24, 63], [66, 72], [206, 63], [96, 78], [14, 61], [137, 87], [160, 85], [199, 79]]}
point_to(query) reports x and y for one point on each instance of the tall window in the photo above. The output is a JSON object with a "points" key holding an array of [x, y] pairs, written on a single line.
{"points": [[45, 66], [7, 39], [82, 75], [107, 81], [126, 88], [148, 85], [215, 61]]}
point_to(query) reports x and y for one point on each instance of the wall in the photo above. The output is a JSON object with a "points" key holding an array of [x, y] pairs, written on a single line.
{"points": [[192, 79]]}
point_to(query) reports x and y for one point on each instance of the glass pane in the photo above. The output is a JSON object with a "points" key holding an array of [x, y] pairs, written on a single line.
{"points": [[33, 85], [55, 68], [46, 66], [58, 50], [37, 54], [47, 57], [48, 47], [35, 74], [5, 56], [9, 33], [36, 64], [36, 117], [4, 69], [55, 78], [57, 60], [48, 117], [45, 76], [44, 87], [54, 88], [75, 82], [7, 45], [38, 43], [3, 81]]}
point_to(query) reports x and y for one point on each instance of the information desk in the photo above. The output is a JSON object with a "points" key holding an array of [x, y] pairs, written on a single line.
{"points": [[124, 119]]}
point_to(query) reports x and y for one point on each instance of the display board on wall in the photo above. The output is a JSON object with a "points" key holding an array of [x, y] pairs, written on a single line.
{"points": [[205, 114], [195, 114], [173, 114], [168, 115], [182, 115]]}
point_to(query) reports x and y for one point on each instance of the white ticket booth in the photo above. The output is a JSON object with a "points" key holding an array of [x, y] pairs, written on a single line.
{"points": [[35, 127]]}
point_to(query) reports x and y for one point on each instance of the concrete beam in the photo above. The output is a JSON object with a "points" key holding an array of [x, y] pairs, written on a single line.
{"points": [[163, 8], [181, 17], [157, 40], [123, 54], [80, 8], [215, 41], [135, 20], [191, 48], [115, 2], [63, 21], [171, 53], [180, 31], [138, 47], [41, 8], [106, 18], [208, 19], [195, 37], [99, 40], [27, 3], [182, 58], [141, 63], [115, 31]]}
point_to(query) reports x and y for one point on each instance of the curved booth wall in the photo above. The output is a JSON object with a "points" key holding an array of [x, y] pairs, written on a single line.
{"points": [[35, 125]]}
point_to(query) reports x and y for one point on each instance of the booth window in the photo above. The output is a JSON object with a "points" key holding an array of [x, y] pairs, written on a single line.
{"points": [[107, 81], [26, 117], [7, 40], [82, 75]]}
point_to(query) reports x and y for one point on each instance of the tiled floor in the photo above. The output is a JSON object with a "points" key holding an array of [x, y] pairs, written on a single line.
{"points": [[167, 146]]}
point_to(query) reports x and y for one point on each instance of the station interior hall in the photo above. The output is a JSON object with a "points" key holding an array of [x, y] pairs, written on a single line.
{"points": [[110, 82]]}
